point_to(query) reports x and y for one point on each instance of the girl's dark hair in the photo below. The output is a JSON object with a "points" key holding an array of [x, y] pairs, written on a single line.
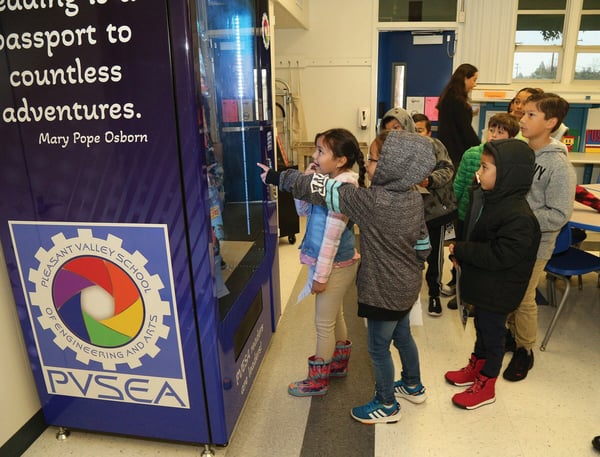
{"points": [[456, 85], [344, 144], [510, 104], [531, 90]]}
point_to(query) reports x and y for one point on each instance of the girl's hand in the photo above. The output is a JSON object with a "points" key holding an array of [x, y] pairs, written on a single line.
{"points": [[311, 169], [268, 176], [318, 287], [265, 170]]}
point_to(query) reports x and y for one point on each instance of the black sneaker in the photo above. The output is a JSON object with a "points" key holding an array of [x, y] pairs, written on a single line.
{"points": [[452, 304], [510, 345], [519, 366], [596, 443], [435, 307]]}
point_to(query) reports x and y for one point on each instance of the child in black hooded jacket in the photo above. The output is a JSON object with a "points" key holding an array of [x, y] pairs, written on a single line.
{"points": [[502, 237]]}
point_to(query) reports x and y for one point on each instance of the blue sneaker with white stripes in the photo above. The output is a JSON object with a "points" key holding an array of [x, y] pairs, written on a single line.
{"points": [[376, 412], [412, 394]]}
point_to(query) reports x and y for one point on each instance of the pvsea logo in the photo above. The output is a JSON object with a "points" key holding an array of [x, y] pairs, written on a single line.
{"points": [[105, 327], [96, 298]]}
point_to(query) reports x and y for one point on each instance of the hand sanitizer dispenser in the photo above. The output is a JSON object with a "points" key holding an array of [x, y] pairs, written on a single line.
{"points": [[363, 118]]}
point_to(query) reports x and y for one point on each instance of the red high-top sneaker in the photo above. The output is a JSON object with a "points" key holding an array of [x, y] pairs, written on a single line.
{"points": [[481, 393], [466, 376]]}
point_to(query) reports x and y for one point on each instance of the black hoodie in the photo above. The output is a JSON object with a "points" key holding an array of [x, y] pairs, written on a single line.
{"points": [[502, 232]]}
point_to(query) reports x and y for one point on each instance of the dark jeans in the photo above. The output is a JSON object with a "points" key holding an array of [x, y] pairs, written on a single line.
{"points": [[435, 261], [490, 328]]}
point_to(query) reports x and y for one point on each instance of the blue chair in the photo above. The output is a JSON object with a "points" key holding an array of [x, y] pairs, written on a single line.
{"points": [[566, 261]]}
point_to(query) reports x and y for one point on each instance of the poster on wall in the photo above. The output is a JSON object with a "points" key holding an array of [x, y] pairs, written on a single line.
{"points": [[101, 303], [430, 108], [592, 140], [415, 105], [86, 91]]}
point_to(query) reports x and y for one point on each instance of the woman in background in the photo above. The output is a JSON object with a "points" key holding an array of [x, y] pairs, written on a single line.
{"points": [[456, 113]]}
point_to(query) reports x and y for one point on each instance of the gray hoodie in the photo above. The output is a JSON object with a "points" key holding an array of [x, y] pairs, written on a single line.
{"points": [[402, 116], [393, 237], [552, 193], [439, 200]]}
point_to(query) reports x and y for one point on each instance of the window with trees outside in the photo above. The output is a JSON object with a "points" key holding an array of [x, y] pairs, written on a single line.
{"points": [[557, 40], [549, 30], [539, 39], [587, 51]]}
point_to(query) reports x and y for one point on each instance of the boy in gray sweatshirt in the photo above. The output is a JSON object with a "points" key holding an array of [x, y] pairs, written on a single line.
{"points": [[551, 198]]}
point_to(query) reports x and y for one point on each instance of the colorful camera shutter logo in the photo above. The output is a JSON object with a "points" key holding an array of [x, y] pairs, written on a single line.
{"points": [[98, 301]]}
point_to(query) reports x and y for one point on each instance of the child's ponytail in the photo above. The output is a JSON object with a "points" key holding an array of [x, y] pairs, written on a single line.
{"points": [[362, 169]]}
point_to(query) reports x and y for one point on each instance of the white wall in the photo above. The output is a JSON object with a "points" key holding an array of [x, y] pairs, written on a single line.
{"points": [[291, 12], [18, 394], [486, 39], [330, 65]]}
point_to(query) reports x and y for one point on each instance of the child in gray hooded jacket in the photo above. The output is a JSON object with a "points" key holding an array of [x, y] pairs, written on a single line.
{"points": [[394, 245], [439, 204]]}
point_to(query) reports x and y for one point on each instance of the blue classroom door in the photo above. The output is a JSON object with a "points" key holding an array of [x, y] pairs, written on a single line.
{"points": [[428, 66]]}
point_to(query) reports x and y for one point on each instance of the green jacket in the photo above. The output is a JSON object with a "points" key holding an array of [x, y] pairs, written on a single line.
{"points": [[465, 174]]}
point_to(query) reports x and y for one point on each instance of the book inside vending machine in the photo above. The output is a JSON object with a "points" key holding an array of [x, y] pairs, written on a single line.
{"points": [[140, 241]]}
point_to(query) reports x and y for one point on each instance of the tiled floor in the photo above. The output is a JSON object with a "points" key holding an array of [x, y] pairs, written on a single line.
{"points": [[555, 412]]}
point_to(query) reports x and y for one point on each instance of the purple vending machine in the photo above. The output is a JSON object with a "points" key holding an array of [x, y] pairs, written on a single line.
{"points": [[140, 242]]}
